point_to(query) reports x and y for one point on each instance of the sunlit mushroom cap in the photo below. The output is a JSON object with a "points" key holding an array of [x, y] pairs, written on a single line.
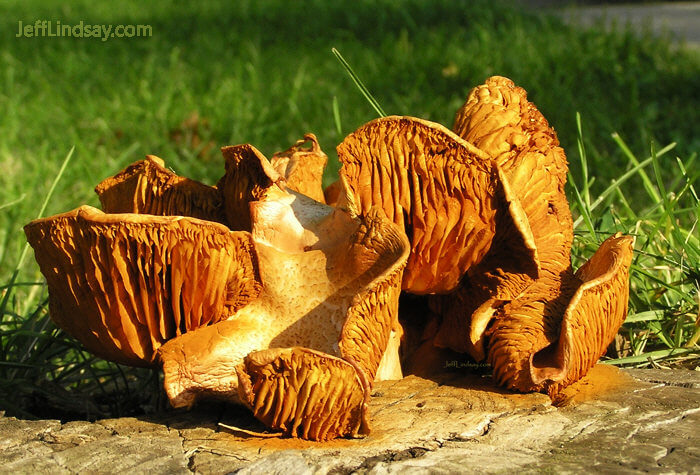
{"points": [[147, 187], [498, 118], [330, 286], [124, 284], [593, 317], [575, 326], [302, 167], [248, 176], [444, 192], [305, 393]]}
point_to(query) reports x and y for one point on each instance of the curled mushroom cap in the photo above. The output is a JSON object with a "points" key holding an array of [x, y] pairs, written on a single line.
{"points": [[303, 167], [330, 284], [305, 393], [147, 187], [248, 176], [498, 118], [593, 304], [123, 284], [448, 196]]}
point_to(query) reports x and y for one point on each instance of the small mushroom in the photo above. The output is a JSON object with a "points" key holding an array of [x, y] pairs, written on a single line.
{"points": [[532, 348], [302, 167], [124, 284], [147, 187], [498, 118], [305, 393]]}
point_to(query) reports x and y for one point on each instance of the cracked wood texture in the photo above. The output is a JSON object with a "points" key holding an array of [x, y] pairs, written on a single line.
{"points": [[610, 421]]}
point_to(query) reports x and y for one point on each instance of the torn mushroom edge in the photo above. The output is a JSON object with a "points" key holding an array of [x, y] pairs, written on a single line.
{"points": [[561, 355]]}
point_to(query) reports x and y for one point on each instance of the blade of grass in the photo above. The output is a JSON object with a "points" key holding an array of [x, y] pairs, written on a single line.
{"points": [[336, 117], [644, 357], [585, 211], [585, 193], [643, 175], [621, 179], [25, 249], [46, 202], [668, 207], [688, 179], [645, 316], [365, 92], [13, 202]]}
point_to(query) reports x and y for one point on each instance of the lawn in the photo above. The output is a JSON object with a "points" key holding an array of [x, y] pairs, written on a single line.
{"points": [[262, 72]]}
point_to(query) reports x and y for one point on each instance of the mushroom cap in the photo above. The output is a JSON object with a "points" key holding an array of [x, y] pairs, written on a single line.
{"points": [[552, 336], [248, 176], [498, 118], [592, 319], [330, 284], [445, 193], [303, 167], [147, 187], [305, 393], [525, 326], [123, 284]]}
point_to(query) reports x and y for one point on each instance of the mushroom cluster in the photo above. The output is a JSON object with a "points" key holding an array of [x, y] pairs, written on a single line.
{"points": [[269, 291]]}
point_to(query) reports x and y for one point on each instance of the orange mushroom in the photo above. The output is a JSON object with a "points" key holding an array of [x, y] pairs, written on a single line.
{"points": [[330, 283], [554, 335], [147, 187], [463, 219], [305, 393], [490, 232], [306, 287], [498, 118], [302, 168], [124, 284], [257, 292], [453, 202]]}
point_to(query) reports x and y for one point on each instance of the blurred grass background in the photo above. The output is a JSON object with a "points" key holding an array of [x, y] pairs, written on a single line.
{"points": [[262, 72]]}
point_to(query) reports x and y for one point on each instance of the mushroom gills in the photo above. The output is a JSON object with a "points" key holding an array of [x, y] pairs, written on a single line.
{"points": [[305, 393], [595, 314]]}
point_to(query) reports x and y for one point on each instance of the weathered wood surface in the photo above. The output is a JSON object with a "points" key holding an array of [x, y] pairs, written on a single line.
{"points": [[611, 421]]}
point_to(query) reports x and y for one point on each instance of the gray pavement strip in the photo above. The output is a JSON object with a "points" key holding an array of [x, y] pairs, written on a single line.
{"points": [[679, 19]]}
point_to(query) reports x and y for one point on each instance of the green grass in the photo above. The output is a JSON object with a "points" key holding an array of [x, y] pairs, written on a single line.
{"points": [[263, 72]]}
